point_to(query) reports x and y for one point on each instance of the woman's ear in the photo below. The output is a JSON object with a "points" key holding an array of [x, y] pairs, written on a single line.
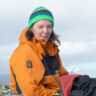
{"points": [[30, 28]]}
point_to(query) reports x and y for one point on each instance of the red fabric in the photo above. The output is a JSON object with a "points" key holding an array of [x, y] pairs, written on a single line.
{"points": [[66, 83]]}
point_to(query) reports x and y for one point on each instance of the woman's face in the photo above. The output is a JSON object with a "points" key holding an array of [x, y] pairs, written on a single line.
{"points": [[42, 29]]}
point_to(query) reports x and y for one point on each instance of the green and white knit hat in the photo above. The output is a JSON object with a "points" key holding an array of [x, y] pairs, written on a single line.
{"points": [[40, 13]]}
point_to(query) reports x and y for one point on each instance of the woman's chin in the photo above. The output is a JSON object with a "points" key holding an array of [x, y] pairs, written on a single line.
{"points": [[46, 39]]}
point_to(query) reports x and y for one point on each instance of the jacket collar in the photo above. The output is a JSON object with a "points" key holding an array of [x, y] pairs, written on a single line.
{"points": [[40, 45]]}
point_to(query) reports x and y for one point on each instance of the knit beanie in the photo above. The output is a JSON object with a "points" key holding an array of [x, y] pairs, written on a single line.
{"points": [[40, 13]]}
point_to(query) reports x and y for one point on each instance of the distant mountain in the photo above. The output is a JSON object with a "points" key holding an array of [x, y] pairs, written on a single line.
{"points": [[4, 78]]}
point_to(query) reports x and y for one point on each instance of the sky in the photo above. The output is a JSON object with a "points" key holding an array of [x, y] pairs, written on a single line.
{"points": [[75, 23]]}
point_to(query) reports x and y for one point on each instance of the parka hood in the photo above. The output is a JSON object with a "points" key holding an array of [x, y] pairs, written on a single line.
{"points": [[22, 38]]}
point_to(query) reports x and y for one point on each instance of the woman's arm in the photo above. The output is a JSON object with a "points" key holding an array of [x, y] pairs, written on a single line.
{"points": [[28, 75]]}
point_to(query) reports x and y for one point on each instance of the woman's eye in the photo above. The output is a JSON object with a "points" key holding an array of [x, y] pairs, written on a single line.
{"points": [[49, 26]]}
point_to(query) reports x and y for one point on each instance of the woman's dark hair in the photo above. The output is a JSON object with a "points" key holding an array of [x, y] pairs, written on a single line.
{"points": [[53, 37]]}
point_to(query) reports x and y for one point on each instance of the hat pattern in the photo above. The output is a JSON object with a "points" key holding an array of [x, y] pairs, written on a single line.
{"points": [[40, 13]]}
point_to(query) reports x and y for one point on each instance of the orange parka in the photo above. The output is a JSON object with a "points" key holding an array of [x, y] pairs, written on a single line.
{"points": [[27, 71]]}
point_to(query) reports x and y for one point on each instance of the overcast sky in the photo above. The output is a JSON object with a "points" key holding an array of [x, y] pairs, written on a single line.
{"points": [[75, 23]]}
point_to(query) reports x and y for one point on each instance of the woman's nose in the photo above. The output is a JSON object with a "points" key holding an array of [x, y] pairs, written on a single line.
{"points": [[45, 30]]}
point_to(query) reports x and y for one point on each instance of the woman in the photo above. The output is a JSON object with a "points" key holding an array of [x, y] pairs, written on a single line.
{"points": [[35, 65]]}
